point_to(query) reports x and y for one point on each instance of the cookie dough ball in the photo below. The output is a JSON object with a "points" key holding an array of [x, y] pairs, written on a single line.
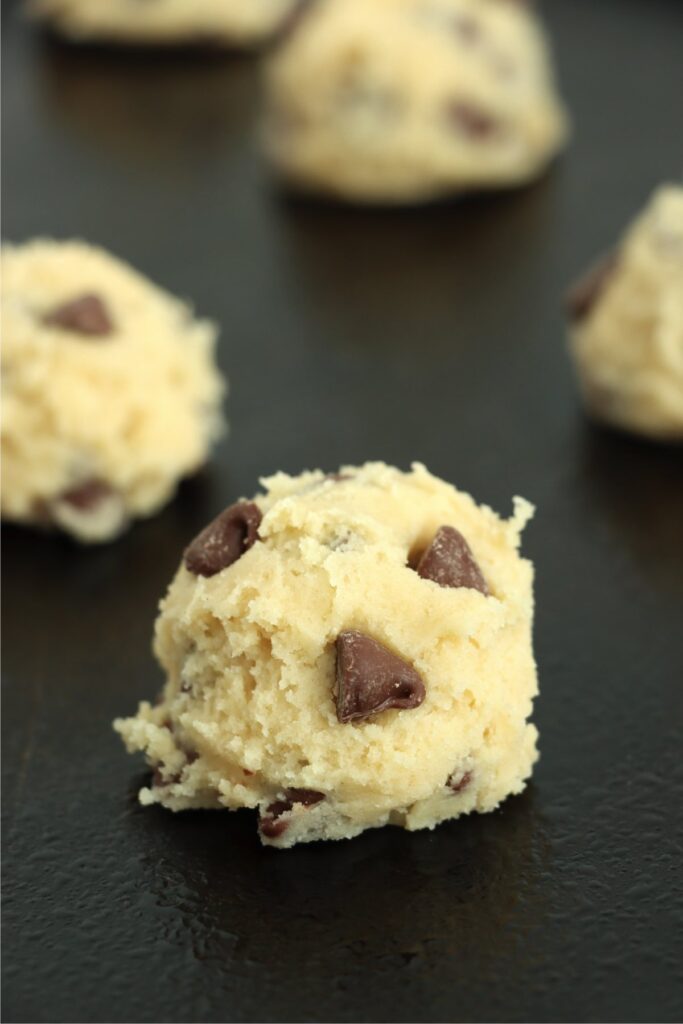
{"points": [[345, 652], [404, 100], [229, 22], [110, 391], [627, 325]]}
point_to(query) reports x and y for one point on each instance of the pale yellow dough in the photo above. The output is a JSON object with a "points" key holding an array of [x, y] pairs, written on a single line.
{"points": [[404, 100], [134, 411], [629, 347], [231, 22], [250, 662]]}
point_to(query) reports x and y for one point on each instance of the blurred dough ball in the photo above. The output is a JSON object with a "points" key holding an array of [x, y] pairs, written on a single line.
{"points": [[404, 100], [626, 328], [151, 22], [110, 391]]}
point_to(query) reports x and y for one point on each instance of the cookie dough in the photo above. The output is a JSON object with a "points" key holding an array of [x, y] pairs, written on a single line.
{"points": [[230, 22], [109, 388], [626, 325], [405, 100], [345, 652]]}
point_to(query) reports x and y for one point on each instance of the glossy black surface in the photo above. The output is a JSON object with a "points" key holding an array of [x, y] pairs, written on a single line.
{"points": [[431, 334]]}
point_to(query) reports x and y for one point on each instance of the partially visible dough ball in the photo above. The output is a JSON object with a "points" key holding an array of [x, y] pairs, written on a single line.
{"points": [[109, 386], [404, 100], [345, 652], [627, 325], [231, 22]]}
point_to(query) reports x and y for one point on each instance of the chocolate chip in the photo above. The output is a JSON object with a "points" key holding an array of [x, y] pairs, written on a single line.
{"points": [[270, 825], [87, 496], [86, 314], [371, 678], [458, 782], [583, 295], [337, 477], [307, 797], [278, 808], [159, 780], [224, 540], [467, 28], [471, 119], [449, 562]]}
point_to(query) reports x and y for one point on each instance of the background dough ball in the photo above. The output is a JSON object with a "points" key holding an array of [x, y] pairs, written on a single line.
{"points": [[627, 325], [239, 22], [110, 391], [408, 99], [359, 656]]}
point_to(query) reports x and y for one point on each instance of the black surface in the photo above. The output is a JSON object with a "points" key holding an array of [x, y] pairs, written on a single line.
{"points": [[430, 334]]}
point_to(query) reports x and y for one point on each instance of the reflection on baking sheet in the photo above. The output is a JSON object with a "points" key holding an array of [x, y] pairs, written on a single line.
{"points": [[638, 486], [357, 268], [461, 894], [150, 106]]}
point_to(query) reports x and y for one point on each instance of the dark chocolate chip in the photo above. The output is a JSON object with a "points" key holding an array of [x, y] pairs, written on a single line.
{"points": [[278, 808], [307, 797], [449, 562], [467, 28], [337, 477], [224, 540], [371, 678], [87, 496], [458, 782], [471, 120], [86, 314], [159, 780], [583, 295], [270, 825]]}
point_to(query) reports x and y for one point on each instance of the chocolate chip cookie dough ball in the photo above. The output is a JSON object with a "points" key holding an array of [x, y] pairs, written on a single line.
{"points": [[109, 388], [626, 320], [156, 22], [404, 100], [344, 652]]}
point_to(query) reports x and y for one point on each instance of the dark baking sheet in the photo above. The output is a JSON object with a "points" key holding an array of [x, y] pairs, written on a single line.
{"points": [[430, 334]]}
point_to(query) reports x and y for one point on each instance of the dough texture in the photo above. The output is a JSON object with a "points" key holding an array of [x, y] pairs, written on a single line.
{"points": [[231, 22], [405, 100], [110, 391], [268, 667], [627, 325]]}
